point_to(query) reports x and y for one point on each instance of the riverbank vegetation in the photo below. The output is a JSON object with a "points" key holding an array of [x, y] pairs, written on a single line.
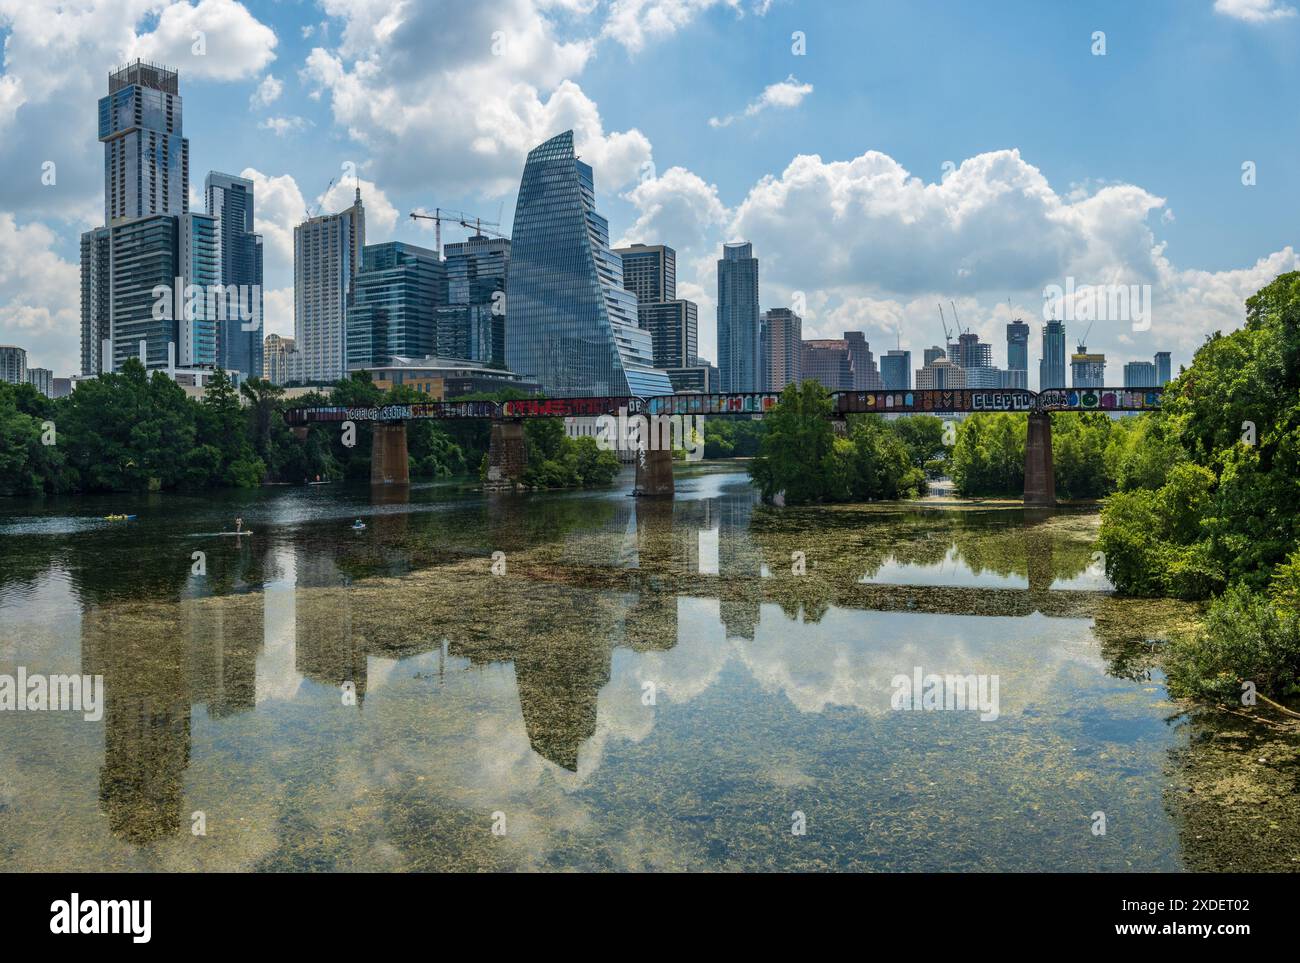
{"points": [[557, 461], [136, 431], [803, 460], [1210, 508]]}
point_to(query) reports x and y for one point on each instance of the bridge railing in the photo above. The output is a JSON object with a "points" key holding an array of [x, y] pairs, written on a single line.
{"points": [[919, 401]]}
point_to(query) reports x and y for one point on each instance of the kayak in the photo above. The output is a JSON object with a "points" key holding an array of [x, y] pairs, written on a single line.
{"points": [[357, 528], [119, 518]]}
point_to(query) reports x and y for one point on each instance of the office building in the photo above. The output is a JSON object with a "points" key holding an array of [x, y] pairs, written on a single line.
{"points": [[650, 271], [933, 354], [571, 325], [782, 348], [276, 352], [239, 257], [146, 157], [96, 292], [1051, 367], [896, 370], [941, 374], [42, 379], [396, 292], [326, 256], [13, 364], [1140, 374], [739, 348], [1087, 370], [472, 324], [1017, 373], [1163, 368], [866, 376]]}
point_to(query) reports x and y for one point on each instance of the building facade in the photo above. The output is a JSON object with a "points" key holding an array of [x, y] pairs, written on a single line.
{"points": [[1017, 374], [781, 349], [96, 296], [239, 257], [146, 156], [1087, 370], [650, 271], [896, 370], [940, 374], [739, 354], [392, 313], [472, 324], [42, 379], [1163, 368], [13, 364], [1140, 374], [570, 324], [1051, 367], [326, 256], [276, 352]]}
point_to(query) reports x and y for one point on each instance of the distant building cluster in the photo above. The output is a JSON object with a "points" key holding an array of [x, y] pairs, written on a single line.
{"points": [[551, 308]]}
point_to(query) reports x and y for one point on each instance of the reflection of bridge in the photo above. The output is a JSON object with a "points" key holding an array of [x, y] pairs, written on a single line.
{"points": [[507, 456]]}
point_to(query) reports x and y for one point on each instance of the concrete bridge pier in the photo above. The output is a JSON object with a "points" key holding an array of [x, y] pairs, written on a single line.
{"points": [[654, 472], [390, 464], [507, 455], [1040, 481]]}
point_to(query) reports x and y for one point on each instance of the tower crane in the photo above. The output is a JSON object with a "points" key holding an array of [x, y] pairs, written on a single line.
{"points": [[309, 212], [438, 216], [478, 227], [947, 338]]}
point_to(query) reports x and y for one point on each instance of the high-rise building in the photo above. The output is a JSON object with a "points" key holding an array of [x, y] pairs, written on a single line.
{"points": [[841, 364], [276, 353], [739, 354], [392, 312], [42, 379], [326, 255], [1163, 368], [570, 323], [896, 370], [1087, 370], [96, 298], [940, 374], [239, 255], [1017, 374], [1051, 368], [933, 354], [781, 349], [650, 271], [1140, 374], [146, 158], [472, 325], [198, 318], [144, 256], [13, 364]]}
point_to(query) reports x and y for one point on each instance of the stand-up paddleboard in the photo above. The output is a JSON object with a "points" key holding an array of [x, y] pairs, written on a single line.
{"points": [[119, 518]]}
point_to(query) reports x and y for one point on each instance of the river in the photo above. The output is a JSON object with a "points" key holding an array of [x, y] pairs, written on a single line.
{"points": [[585, 680]]}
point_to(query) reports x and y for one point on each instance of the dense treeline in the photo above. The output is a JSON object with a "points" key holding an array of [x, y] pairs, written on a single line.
{"points": [[801, 458], [1210, 505], [136, 431]]}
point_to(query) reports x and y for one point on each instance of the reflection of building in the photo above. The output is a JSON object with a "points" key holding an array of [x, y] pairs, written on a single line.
{"points": [[1087, 370], [571, 325]]}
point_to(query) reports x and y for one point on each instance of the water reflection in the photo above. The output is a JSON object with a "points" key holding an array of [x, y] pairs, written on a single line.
{"points": [[527, 691]]}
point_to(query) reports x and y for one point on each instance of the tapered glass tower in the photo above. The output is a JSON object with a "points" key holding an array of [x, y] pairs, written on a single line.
{"points": [[569, 322]]}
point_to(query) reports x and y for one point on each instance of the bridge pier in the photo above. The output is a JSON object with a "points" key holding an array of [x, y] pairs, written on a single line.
{"points": [[507, 455], [1040, 480], [390, 464], [654, 472]]}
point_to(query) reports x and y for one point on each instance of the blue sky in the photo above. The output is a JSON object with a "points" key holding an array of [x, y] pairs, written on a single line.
{"points": [[1117, 169]]}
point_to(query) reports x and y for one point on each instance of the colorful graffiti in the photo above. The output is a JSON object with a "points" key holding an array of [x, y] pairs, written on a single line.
{"points": [[1099, 399]]}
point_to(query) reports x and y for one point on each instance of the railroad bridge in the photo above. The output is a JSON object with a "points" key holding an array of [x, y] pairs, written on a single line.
{"points": [[507, 454]]}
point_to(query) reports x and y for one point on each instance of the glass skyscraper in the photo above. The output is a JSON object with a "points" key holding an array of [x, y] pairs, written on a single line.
{"points": [[739, 342], [239, 340], [397, 290], [473, 324], [1051, 369], [570, 324], [1017, 355], [146, 158], [896, 370], [1164, 367]]}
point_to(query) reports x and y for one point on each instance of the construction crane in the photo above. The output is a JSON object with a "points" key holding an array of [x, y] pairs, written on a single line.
{"points": [[478, 227], [947, 338], [438, 216], [310, 214]]}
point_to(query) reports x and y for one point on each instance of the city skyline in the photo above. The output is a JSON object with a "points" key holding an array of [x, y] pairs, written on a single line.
{"points": [[1198, 234]]}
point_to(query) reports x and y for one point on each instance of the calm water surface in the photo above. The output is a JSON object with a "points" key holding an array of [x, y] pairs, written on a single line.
{"points": [[644, 685]]}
